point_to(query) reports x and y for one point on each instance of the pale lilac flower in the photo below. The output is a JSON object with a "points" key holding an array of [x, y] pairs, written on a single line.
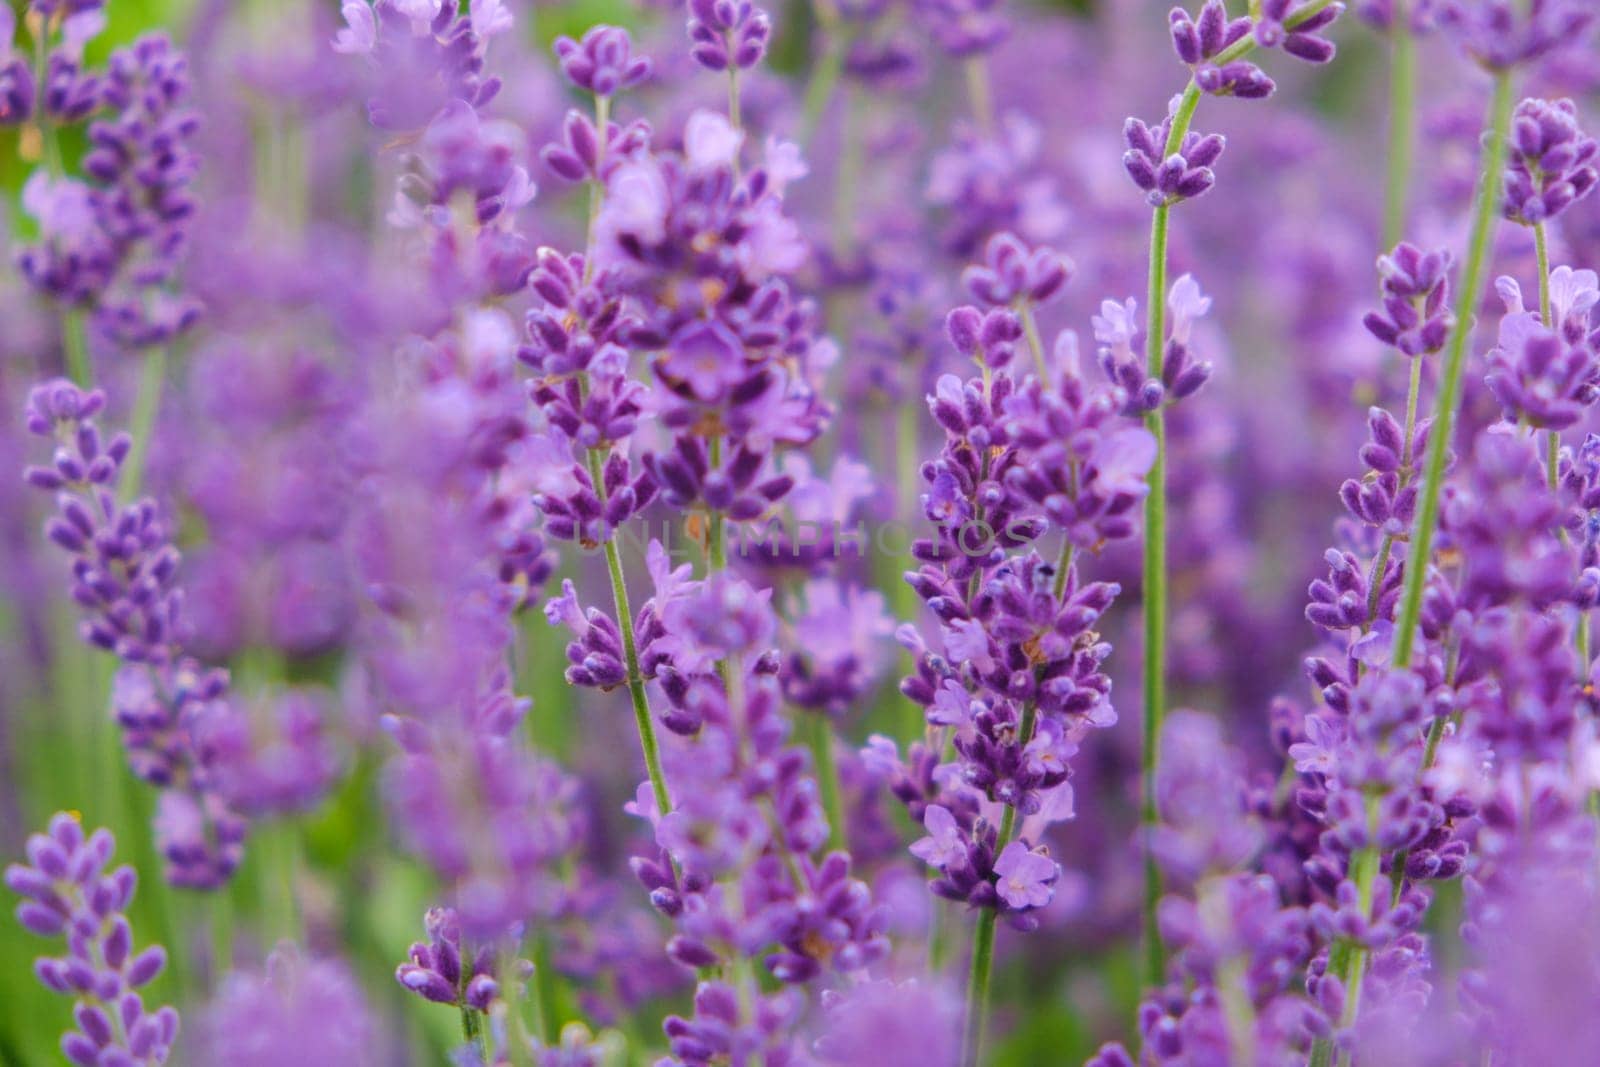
{"points": [[1026, 878], [945, 847]]}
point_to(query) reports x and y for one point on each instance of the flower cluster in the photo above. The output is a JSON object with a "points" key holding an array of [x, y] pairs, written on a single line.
{"points": [[1552, 162], [112, 241], [582, 433], [68, 893], [124, 579]]}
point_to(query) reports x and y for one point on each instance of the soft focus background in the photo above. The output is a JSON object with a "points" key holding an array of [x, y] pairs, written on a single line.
{"points": [[301, 283]]}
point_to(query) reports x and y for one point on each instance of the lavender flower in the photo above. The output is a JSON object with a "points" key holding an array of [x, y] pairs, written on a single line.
{"points": [[124, 580], [1284, 24], [1170, 178], [1415, 317], [603, 62], [1118, 330], [1500, 35], [1198, 41], [1552, 164], [116, 244], [439, 970], [728, 34], [68, 893], [283, 1012]]}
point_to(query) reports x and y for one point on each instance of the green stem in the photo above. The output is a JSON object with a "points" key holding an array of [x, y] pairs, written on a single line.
{"points": [[983, 937], [597, 189], [544, 984], [820, 730], [1348, 966], [471, 1024], [1155, 506], [820, 89], [1541, 246], [979, 92], [1030, 328], [1485, 212], [716, 542], [630, 653], [516, 1028], [221, 908], [1155, 592], [75, 346], [978, 985], [1402, 125], [142, 424]]}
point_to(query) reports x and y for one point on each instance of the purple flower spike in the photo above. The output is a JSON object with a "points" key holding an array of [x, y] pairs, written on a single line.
{"points": [[1281, 24], [1501, 34], [1199, 41], [602, 62], [125, 571], [115, 243], [442, 970], [728, 34], [1553, 163], [68, 893], [1013, 272], [278, 1015], [1415, 317], [1169, 179], [1540, 377]]}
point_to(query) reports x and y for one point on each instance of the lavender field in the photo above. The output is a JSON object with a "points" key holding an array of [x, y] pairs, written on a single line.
{"points": [[799, 533]]}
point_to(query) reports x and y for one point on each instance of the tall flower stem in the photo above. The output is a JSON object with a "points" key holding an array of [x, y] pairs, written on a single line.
{"points": [[1541, 247], [1449, 398], [820, 728], [825, 75], [1155, 586], [1396, 197], [1155, 504], [980, 92], [1348, 965], [1402, 125], [630, 653], [146, 403], [983, 936]]}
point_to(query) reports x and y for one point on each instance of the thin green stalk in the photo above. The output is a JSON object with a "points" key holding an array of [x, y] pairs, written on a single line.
{"points": [[471, 1023], [979, 92], [1402, 125], [1541, 245], [146, 403], [278, 848], [820, 730], [1155, 591], [544, 985], [516, 1027], [1348, 966], [983, 936], [75, 346], [1449, 398], [824, 80], [733, 98], [1030, 329], [978, 985], [716, 539], [1155, 506], [630, 654], [221, 908]]}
